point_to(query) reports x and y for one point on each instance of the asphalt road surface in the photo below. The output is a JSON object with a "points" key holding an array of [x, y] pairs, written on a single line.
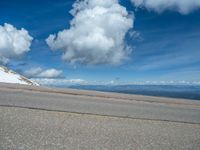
{"points": [[45, 118], [97, 103]]}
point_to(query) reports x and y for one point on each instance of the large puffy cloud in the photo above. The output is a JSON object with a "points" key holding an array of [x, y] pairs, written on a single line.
{"points": [[96, 34], [42, 73], [13, 42], [182, 6]]}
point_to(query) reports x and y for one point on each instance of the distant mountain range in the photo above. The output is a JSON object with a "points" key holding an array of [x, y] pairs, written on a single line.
{"points": [[9, 76], [175, 91]]}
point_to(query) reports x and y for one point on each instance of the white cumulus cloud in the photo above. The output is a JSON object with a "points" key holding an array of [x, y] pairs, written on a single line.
{"points": [[96, 34], [181, 6], [42, 73], [13, 42]]}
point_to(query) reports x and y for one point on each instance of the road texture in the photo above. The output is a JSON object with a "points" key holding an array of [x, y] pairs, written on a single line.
{"points": [[44, 118]]}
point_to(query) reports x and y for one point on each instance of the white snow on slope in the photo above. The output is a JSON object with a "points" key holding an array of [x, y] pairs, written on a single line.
{"points": [[9, 76]]}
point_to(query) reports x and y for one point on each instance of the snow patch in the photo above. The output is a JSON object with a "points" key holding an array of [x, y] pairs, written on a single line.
{"points": [[9, 76]]}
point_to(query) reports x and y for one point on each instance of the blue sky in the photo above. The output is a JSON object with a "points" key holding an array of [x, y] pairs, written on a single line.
{"points": [[166, 45]]}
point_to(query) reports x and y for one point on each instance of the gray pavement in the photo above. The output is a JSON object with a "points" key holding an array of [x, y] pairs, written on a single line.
{"points": [[28, 129], [188, 112], [44, 119]]}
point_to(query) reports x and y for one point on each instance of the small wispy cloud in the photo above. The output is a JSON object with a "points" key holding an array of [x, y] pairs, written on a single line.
{"points": [[166, 82], [168, 61], [43, 73], [181, 6], [59, 82]]}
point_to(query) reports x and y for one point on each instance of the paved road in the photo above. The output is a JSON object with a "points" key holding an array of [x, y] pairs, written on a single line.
{"points": [[28, 129], [118, 105], [84, 120]]}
